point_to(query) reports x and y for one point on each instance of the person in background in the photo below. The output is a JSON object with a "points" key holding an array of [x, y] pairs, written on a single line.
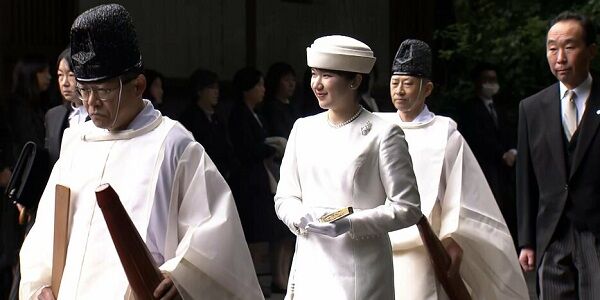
{"points": [[486, 127], [206, 123], [344, 157], [155, 91], [253, 192], [558, 159], [70, 113], [31, 80], [280, 114], [277, 109], [25, 117], [455, 197]]}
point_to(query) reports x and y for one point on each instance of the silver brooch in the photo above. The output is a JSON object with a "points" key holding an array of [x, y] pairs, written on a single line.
{"points": [[365, 129]]}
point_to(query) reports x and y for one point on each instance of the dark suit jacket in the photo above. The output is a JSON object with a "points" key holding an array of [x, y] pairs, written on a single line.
{"points": [[213, 136], [250, 182], [57, 120], [489, 142], [546, 187], [279, 117]]}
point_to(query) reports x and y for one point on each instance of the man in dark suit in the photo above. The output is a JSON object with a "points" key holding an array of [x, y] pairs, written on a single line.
{"points": [[492, 138], [558, 186], [65, 115]]}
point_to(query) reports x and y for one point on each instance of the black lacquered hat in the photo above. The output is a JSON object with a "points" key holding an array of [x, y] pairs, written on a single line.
{"points": [[104, 44], [413, 58]]}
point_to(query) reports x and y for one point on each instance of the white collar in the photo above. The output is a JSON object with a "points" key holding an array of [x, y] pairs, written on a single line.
{"points": [[424, 117], [582, 91], [147, 120]]}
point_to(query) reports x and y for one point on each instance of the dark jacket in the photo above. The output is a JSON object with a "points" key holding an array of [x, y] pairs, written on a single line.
{"points": [[557, 179]]}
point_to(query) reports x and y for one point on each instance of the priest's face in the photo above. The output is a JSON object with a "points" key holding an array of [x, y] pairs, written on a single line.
{"points": [[408, 95], [114, 103], [332, 89]]}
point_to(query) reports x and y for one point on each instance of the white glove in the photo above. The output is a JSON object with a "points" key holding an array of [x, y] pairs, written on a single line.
{"points": [[334, 229], [303, 222]]}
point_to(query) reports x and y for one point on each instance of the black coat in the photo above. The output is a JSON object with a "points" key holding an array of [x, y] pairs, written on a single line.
{"points": [[57, 120], [279, 117], [250, 183], [551, 183], [212, 135], [489, 142]]}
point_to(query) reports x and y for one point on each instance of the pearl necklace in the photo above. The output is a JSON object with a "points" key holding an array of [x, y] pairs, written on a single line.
{"points": [[360, 109]]}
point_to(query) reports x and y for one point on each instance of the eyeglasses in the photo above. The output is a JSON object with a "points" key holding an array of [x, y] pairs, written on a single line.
{"points": [[104, 94]]}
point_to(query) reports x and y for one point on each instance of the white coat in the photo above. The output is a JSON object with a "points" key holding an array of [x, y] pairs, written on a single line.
{"points": [[364, 164]]}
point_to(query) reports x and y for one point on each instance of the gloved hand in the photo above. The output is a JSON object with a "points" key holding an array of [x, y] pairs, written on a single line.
{"points": [[334, 229], [302, 222]]}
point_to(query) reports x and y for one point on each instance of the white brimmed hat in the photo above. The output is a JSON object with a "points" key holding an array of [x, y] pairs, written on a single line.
{"points": [[340, 53]]}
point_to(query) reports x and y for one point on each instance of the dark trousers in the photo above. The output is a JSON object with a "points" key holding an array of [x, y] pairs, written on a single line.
{"points": [[570, 268]]}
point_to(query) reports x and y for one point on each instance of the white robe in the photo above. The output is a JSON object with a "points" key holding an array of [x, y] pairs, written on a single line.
{"points": [[174, 195], [458, 202], [361, 164]]}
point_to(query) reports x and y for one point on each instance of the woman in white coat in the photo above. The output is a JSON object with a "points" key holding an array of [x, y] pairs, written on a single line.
{"points": [[344, 157]]}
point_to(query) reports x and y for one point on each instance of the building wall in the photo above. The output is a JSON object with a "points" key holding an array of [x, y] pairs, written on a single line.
{"points": [[178, 36]]}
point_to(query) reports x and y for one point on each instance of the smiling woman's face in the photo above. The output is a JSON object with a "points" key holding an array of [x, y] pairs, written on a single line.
{"points": [[331, 89]]}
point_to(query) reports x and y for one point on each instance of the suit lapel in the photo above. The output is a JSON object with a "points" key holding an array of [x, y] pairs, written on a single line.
{"points": [[588, 126], [553, 127]]}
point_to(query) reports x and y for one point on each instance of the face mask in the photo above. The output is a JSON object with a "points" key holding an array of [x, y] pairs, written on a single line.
{"points": [[489, 89]]}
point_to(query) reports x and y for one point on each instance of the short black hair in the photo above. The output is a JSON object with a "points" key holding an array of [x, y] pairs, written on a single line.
{"points": [[66, 55], [274, 74], [480, 68], [245, 79], [200, 80], [589, 29], [151, 76]]}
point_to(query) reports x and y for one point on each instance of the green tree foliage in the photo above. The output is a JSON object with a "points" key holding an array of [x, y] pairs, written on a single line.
{"points": [[507, 34]]}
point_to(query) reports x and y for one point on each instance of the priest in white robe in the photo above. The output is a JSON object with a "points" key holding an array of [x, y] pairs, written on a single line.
{"points": [[172, 191], [455, 197]]}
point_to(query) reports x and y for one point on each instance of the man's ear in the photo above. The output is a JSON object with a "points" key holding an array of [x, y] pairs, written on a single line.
{"points": [[139, 85], [428, 88]]}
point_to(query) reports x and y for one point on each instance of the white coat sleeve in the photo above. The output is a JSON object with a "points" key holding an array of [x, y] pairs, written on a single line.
{"points": [[288, 199], [212, 260], [402, 207]]}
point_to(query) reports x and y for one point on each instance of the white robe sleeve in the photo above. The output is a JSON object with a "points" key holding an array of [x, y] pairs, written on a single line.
{"points": [[35, 255], [470, 215], [212, 260], [402, 206]]}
